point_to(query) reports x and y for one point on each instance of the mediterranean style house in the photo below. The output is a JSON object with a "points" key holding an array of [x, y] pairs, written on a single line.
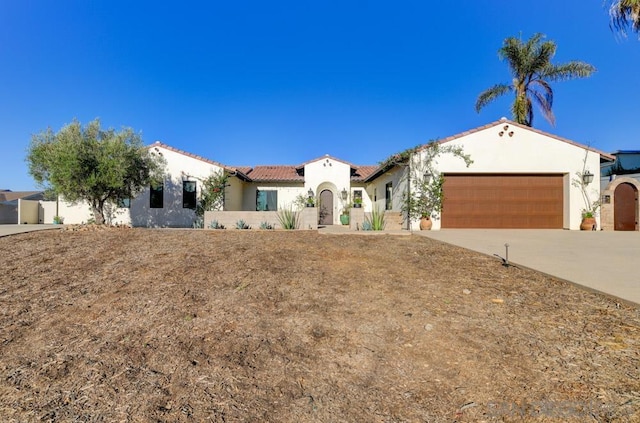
{"points": [[520, 178]]}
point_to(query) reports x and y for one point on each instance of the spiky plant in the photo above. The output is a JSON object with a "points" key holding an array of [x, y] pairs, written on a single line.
{"points": [[289, 218], [530, 65]]}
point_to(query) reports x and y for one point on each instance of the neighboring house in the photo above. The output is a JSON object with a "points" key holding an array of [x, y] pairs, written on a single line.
{"points": [[619, 185], [11, 202], [520, 178]]}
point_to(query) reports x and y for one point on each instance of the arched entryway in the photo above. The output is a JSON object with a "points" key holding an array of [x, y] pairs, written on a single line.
{"points": [[326, 208], [619, 205], [625, 212]]}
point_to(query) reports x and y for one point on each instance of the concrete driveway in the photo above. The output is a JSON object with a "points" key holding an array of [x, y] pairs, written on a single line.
{"points": [[17, 229], [603, 261]]}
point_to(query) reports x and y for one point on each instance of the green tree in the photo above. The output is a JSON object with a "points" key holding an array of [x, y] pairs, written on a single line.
{"points": [[212, 193], [532, 70], [624, 14], [91, 164]]}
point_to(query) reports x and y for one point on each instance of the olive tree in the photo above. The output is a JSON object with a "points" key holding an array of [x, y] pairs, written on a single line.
{"points": [[87, 163]]}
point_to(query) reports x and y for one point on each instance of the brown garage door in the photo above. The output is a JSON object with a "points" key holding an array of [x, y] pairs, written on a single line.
{"points": [[503, 201]]}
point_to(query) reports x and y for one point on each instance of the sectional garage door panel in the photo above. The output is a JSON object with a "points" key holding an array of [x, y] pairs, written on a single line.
{"points": [[503, 201]]}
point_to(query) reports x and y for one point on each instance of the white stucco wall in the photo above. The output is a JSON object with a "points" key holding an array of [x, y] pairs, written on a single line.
{"points": [[172, 214], [526, 151], [377, 189], [329, 174], [287, 193]]}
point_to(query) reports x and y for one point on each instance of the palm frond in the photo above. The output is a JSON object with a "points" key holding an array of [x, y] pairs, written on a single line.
{"points": [[542, 94], [570, 70], [624, 14], [490, 94]]}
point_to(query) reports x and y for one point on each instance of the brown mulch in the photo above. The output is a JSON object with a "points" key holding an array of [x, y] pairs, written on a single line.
{"points": [[137, 325]]}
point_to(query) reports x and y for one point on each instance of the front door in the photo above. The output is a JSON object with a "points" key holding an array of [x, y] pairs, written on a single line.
{"points": [[624, 207], [326, 208]]}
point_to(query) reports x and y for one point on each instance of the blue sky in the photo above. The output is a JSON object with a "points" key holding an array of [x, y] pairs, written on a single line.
{"points": [[282, 82]]}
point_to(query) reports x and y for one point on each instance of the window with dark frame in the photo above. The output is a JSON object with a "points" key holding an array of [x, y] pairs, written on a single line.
{"points": [[388, 193], [189, 195], [156, 197], [266, 200], [124, 203]]}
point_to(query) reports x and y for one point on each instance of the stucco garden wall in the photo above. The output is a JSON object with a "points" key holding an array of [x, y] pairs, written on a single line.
{"points": [[28, 211], [308, 218]]}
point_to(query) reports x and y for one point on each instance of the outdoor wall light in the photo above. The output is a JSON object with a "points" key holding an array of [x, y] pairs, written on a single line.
{"points": [[587, 177], [344, 194], [427, 177], [310, 193]]}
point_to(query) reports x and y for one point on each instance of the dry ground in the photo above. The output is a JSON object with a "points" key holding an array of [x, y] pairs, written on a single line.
{"points": [[228, 326]]}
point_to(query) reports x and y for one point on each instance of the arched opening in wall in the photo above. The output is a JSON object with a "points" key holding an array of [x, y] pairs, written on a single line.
{"points": [[325, 213], [625, 208]]}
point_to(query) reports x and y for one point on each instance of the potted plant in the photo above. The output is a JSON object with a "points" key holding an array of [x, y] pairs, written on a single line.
{"points": [[344, 217], [425, 201], [357, 202], [58, 220], [310, 202], [582, 179], [589, 218]]}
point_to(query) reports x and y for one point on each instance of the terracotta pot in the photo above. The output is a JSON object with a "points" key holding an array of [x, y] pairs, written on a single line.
{"points": [[588, 224], [425, 224]]}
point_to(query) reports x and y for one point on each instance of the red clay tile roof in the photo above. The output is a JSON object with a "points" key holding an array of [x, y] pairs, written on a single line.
{"points": [[361, 173], [275, 174]]}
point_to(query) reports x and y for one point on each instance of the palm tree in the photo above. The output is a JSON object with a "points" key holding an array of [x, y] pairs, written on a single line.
{"points": [[624, 13], [532, 70]]}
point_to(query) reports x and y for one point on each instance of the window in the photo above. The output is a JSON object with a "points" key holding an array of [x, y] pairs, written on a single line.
{"points": [[388, 192], [124, 203], [157, 196], [189, 195], [266, 200]]}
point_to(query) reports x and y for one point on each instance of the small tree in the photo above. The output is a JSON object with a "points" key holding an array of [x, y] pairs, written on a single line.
{"points": [[590, 206], [424, 196], [212, 193], [91, 164]]}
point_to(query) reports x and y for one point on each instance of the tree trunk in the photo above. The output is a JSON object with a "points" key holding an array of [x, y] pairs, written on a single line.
{"points": [[97, 207]]}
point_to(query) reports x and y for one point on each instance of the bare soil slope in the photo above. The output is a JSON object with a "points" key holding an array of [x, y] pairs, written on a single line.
{"points": [[228, 326]]}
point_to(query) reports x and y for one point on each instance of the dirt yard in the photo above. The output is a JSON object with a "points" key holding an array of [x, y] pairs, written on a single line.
{"points": [[132, 325]]}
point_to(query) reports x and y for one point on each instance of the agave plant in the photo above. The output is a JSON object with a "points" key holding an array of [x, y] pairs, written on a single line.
{"points": [[241, 224], [377, 221], [289, 218]]}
